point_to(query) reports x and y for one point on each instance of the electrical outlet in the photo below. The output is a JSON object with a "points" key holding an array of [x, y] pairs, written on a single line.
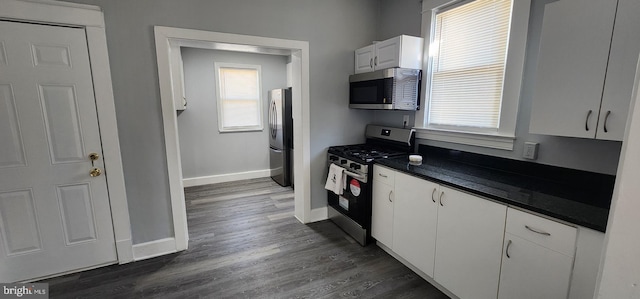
{"points": [[530, 150], [405, 121]]}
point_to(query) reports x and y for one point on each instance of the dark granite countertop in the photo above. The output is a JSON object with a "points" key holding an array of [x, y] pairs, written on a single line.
{"points": [[583, 203]]}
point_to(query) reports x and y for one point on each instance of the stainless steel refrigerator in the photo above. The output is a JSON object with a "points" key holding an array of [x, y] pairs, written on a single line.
{"points": [[280, 136]]}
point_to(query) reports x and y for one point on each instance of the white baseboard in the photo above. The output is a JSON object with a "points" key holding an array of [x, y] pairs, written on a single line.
{"points": [[124, 248], [319, 214], [155, 248], [222, 178]]}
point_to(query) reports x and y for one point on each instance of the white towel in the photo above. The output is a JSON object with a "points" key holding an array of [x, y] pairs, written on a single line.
{"points": [[336, 180]]}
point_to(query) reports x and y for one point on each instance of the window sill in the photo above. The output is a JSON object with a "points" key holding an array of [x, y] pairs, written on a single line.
{"points": [[497, 141]]}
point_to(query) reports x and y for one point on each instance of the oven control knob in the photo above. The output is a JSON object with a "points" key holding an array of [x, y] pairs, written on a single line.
{"points": [[343, 161], [354, 166], [333, 158]]}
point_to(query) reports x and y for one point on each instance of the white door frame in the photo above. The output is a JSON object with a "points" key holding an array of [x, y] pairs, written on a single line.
{"points": [[165, 38], [91, 19]]}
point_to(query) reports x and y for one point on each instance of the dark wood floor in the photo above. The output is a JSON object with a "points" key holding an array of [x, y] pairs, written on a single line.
{"points": [[245, 243]]}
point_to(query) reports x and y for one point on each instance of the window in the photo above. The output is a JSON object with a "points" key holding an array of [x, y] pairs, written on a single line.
{"points": [[239, 101], [474, 70]]}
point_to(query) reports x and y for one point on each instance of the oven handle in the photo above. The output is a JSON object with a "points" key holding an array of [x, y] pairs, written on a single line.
{"points": [[353, 174]]}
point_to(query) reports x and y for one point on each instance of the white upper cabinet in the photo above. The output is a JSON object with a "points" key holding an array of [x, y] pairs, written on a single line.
{"points": [[177, 78], [364, 59], [625, 46], [401, 51], [585, 69]]}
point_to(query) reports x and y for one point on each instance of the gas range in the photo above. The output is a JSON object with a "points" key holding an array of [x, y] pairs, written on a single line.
{"points": [[351, 209]]}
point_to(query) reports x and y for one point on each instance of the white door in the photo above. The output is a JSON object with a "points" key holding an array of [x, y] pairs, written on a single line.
{"points": [[531, 271], [387, 54], [382, 213], [415, 217], [54, 217], [469, 244], [364, 59]]}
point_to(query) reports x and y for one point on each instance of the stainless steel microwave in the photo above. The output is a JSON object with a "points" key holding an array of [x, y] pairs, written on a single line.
{"points": [[388, 89]]}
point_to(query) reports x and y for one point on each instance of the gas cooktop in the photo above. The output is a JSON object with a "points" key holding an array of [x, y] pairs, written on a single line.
{"points": [[364, 152]]}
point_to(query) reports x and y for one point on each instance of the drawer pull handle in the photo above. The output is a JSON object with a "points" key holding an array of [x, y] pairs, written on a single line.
{"points": [[506, 252], [537, 231], [382, 175], [432, 194], [390, 192], [441, 194]]}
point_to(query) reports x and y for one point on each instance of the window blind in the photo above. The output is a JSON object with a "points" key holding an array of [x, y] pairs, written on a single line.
{"points": [[239, 97], [468, 55]]}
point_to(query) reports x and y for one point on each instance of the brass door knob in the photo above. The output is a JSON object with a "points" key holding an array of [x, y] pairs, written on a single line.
{"points": [[95, 172], [94, 156]]}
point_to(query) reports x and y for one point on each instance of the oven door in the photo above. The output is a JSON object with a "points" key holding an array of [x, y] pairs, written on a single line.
{"points": [[355, 202]]}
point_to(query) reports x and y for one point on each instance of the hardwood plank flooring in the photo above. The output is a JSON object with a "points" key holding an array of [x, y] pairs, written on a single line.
{"points": [[246, 243]]}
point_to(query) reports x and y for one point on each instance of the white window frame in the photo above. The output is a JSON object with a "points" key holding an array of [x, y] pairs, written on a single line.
{"points": [[504, 136], [221, 127]]}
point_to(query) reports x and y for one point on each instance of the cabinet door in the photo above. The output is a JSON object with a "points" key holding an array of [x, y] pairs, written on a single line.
{"points": [[415, 217], [382, 213], [469, 244], [530, 271], [625, 46], [572, 62], [364, 59], [387, 53]]}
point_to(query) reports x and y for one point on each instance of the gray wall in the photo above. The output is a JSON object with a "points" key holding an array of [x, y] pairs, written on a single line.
{"points": [[334, 28], [576, 153], [204, 150]]}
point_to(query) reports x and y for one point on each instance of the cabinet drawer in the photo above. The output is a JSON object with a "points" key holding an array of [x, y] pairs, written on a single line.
{"points": [[384, 175], [544, 232]]}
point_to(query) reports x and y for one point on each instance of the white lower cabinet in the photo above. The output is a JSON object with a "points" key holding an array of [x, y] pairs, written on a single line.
{"points": [[533, 271], [415, 216], [382, 206], [476, 248], [538, 257], [469, 241]]}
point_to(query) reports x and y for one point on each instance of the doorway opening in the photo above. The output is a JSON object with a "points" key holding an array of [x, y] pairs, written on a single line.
{"points": [[168, 43]]}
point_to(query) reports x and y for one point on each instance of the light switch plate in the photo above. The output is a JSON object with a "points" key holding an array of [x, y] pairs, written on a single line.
{"points": [[530, 150]]}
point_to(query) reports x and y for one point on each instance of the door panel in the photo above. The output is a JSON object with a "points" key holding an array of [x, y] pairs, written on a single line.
{"points": [[77, 213], [59, 104], [19, 226], [54, 217], [11, 147]]}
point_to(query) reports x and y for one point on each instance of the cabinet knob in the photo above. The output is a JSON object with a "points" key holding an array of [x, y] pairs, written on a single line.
{"points": [[506, 252], [441, 194]]}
